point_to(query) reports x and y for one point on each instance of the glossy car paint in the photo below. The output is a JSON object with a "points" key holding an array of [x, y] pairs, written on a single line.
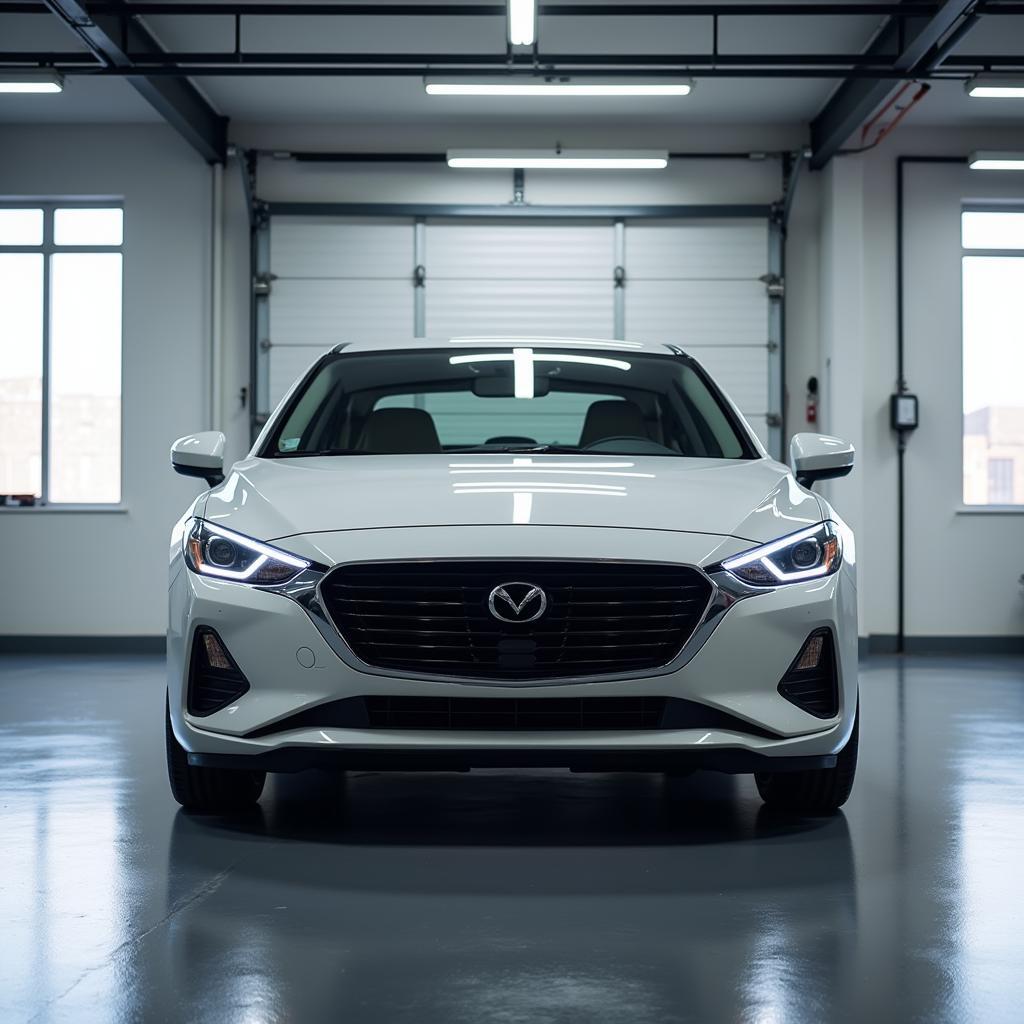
{"points": [[367, 508]]}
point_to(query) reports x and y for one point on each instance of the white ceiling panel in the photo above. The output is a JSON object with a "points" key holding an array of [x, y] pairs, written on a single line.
{"points": [[372, 100]]}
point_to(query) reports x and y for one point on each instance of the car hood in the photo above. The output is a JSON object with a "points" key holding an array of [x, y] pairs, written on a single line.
{"points": [[272, 499]]}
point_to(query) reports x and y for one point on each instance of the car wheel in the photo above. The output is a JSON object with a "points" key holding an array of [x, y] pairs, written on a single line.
{"points": [[817, 791], [208, 790]]}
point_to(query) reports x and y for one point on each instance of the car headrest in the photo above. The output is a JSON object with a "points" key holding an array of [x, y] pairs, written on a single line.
{"points": [[613, 417], [397, 431]]}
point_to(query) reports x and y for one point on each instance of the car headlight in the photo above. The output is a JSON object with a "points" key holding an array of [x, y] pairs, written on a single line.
{"points": [[214, 551], [805, 555]]}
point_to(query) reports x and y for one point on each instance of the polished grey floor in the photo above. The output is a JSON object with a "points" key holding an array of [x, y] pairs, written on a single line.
{"points": [[511, 896]]}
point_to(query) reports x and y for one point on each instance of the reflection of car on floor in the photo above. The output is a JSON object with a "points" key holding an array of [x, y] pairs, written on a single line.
{"points": [[505, 552]]}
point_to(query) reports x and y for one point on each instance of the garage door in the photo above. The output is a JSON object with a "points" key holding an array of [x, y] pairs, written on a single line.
{"points": [[695, 284], [699, 285]]}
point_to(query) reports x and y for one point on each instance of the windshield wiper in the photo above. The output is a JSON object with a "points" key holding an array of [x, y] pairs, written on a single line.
{"points": [[522, 449], [322, 451]]}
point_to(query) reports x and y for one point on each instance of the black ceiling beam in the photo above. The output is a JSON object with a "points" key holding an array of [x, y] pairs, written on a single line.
{"points": [[299, 9], [409, 71], [907, 44], [110, 38], [581, 67], [590, 64], [356, 157]]}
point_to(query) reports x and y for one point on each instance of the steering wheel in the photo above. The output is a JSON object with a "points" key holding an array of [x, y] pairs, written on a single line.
{"points": [[628, 438]]}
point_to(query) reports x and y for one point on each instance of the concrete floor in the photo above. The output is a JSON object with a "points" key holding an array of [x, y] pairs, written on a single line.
{"points": [[511, 896]]}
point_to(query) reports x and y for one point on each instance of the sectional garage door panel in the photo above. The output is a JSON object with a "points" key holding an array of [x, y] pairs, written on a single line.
{"points": [[335, 280], [496, 307], [327, 311], [700, 250], [693, 283], [697, 313], [310, 247], [288, 364], [570, 252], [741, 372]]}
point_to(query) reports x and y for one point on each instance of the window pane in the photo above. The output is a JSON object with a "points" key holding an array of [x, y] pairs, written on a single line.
{"points": [[461, 418], [21, 227], [993, 380], [995, 230], [21, 373], [85, 377], [88, 227]]}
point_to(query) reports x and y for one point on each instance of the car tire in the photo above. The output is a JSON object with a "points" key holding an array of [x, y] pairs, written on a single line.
{"points": [[817, 791], [208, 790]]}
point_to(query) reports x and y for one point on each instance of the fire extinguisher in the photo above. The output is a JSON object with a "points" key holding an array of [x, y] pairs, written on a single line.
{"points": [[812, 399]]}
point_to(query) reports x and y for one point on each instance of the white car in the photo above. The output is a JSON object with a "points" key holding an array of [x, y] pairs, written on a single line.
{"points": [[487, 552]]}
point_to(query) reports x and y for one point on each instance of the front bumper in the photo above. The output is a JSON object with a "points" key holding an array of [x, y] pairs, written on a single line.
{"points": [[736, 670]]}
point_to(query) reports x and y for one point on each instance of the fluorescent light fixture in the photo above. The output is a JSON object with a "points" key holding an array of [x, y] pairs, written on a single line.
{"points": [[522, 22], [567, 159], [31, 81], [558, 86], [995, 87], [994, 160]]}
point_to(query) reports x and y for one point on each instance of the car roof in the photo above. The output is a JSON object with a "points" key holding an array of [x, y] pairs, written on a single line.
{"points": [[505, 341]]}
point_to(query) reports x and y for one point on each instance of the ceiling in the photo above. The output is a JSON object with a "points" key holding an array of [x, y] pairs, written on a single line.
{"points": [[355, 100]]}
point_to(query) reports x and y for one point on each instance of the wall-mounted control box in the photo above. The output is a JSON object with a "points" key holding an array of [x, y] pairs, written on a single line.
{"points": [[903, 411]]}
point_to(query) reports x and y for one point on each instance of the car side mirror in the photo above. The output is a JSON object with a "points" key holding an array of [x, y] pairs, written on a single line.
{"points": [[814, 457], [200, 455]]}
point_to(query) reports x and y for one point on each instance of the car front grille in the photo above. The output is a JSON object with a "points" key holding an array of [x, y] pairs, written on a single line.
{"points": [[433, 616]]}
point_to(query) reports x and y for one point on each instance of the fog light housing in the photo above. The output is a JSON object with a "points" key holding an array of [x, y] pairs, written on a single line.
{"points": [[811, 682], [214, 680]]}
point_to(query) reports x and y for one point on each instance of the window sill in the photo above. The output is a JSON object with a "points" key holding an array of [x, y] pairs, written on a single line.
{"points": [[34, 509], [989, 510]]}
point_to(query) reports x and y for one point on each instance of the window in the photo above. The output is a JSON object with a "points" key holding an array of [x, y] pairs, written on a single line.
{"points": [[993, 356], [422, 401], [60, 353], [463, 419]]}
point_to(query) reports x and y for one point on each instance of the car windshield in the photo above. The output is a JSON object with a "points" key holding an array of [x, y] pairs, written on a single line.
{"points": [[521, 398]]}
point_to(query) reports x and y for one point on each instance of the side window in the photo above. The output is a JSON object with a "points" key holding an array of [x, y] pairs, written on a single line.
{"points": [[61, 268], [993, 356]]}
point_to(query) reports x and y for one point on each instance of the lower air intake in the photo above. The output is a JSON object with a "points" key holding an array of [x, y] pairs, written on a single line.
{"points": [[214, 680], [811, 683]]}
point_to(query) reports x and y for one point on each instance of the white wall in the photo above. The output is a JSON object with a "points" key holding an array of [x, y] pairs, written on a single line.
{"points": [[961, 569], [104, 573]]}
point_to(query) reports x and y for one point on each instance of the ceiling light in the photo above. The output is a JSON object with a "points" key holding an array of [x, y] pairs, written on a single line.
{"points": [[565, 159], [522, 22], [558, 86], [31, 81], [995, 87], [993, 160]]}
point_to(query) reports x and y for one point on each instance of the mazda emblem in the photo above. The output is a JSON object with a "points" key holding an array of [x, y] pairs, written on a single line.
{"points": [[517, 602]]}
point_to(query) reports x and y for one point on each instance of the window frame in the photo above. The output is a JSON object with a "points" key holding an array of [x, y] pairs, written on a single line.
{"points": [[48, 248], [991, 206]]}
